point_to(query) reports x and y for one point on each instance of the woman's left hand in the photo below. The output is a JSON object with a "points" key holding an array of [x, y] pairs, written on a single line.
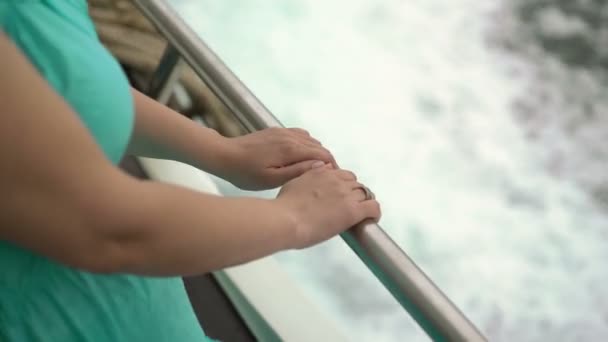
{"points": [[269, 158]]}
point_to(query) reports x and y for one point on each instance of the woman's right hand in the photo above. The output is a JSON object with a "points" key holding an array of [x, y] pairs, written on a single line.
{"points": [[325, 202]]}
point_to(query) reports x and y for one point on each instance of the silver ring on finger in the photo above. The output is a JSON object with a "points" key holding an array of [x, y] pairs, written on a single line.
{"points": [[369, 195]]}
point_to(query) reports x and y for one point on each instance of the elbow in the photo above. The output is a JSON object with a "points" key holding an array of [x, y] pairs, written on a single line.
{"points": [[92, 222], [97, 253], [114, 240], [105, 257], [92, 254], [114, 249]]}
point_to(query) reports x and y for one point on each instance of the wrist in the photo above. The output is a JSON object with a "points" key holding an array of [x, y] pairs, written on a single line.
{"points": [[291, 222], [219, 155]]}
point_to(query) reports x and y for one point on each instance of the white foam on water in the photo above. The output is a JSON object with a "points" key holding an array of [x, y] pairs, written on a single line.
{"points": [[409, 95]]}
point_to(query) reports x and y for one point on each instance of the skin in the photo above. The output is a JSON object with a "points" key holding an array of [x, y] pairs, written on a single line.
{"points": [[257, 161], [63, 199]]}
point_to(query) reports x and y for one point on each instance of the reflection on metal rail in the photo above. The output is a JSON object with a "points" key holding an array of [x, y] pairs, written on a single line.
{"points": [[433, 311]]}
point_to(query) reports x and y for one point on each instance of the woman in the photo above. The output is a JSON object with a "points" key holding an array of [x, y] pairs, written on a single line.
{"points": [[89, 253]]}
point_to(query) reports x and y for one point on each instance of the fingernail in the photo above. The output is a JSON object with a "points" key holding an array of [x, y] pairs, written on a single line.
{"points": [[317, 164]]}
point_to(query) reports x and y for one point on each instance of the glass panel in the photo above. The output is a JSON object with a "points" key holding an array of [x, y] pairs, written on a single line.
{"points": [[479, 126]]}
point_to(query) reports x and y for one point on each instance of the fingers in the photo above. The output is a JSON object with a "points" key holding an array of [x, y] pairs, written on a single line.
{"points": [[343, 175], [357, 191], [363, 207], [346, 175], [358, 195], [297, 152], [300, 145], [304, 134], [304, 138], [369, 209], [299, 131], [287, 173], [297, 136]]}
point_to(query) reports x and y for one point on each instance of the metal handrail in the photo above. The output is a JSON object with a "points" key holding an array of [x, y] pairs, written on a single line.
{"points": [[424, 301]]}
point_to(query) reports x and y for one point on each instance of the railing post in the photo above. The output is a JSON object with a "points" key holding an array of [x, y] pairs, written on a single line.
{"points": [[165, 76]]}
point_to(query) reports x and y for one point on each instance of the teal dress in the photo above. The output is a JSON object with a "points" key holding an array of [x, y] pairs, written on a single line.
{"points": [[41, 300]]}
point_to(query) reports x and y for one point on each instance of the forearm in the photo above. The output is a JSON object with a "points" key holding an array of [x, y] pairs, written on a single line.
{"points": [[112, 223], [162, 133], [176, 231]]}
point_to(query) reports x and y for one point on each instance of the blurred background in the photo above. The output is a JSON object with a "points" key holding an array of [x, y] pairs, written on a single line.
{"points": [[480, 125]]}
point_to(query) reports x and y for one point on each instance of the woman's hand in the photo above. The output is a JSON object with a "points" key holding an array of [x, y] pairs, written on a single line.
{"points": [[271, 157], [261, 160], [325, 202]]}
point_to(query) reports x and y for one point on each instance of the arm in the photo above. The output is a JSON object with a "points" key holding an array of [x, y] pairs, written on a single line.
{"points": [[255, 161], [162, 133], [69, 203]]}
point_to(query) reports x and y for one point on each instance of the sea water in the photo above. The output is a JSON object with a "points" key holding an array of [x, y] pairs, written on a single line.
{"points": [[417, 99]]}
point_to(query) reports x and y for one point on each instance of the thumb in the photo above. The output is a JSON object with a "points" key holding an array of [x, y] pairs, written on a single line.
{"points": [[289, 172]]}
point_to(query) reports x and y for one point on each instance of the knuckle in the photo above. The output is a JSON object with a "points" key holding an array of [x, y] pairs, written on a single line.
{"points": [[376, 211], [376, 205], [317, 150], [298, 129], [348, 175], [285, 138], [336, 182], [337, 175], [323, 157], [280, 132], [332, 184], [272, 131]]}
